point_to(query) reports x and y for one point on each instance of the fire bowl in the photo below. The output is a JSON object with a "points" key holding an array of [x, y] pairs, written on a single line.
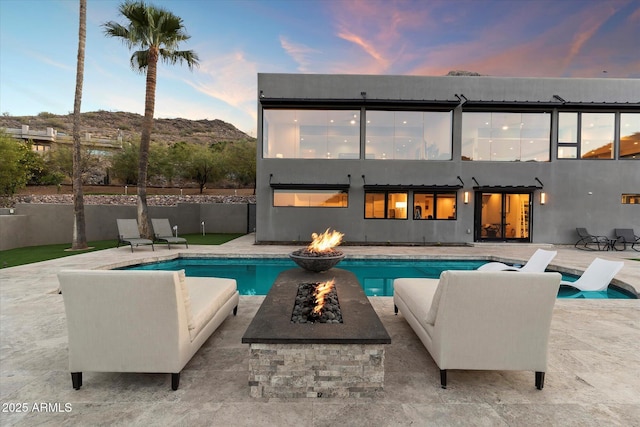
{"points": [[317, 263]]}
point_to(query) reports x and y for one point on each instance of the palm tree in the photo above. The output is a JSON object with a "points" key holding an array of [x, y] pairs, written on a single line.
{"points": [[79, 229], [157, 33]]}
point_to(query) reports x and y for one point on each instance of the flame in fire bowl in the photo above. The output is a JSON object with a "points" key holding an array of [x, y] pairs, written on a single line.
{"points": [[320, 255]]}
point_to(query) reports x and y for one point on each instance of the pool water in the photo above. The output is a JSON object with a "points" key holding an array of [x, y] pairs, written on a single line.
{"points": [[255, 276]]}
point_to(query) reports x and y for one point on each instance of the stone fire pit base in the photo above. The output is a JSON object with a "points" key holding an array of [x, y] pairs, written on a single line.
{"points": [[316, 359], [316, 370]]}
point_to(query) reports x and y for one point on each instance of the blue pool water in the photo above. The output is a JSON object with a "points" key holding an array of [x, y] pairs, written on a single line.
{"points": [[256, 275]]}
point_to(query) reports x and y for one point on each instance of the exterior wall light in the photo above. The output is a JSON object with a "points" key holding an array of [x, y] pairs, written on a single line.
{"points": [[466, 197], [543, 198]]}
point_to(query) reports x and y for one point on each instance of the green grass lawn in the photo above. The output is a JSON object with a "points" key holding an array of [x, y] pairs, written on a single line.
{"points": [[30, 254]]}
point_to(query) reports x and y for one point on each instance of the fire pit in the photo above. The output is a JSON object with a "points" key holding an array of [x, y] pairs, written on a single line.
{"points": [[320, 255], [317, 302]]}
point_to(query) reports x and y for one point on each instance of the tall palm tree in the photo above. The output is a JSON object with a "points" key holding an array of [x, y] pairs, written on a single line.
{"points": [[157, 33], [79, 229]]}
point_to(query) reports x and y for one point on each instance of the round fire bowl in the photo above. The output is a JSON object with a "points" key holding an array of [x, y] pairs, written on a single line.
{"points": [[316, 263]]}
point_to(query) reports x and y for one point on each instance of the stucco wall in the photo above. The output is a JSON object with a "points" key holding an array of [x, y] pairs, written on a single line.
{"points": [[580, 193], [42, 224]]}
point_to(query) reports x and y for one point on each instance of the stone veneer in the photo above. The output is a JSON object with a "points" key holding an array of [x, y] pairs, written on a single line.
{"points": [[316, 370], [316, 360]]}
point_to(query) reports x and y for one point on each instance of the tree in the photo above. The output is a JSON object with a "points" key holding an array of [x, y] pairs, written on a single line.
{"points": [[79, 229], [240, 161], [157, 33], [124, 164], [13, 173], [204, 166]]}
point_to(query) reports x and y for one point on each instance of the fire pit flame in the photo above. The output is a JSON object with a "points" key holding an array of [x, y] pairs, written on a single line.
{"points": [[321, 293], [325, 242], [320, 255]]}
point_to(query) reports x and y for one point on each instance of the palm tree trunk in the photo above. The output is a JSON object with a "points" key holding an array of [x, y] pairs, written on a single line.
{"points": [[79, 227], [144, 222]]}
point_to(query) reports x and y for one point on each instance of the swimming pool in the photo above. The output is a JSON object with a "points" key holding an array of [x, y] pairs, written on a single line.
{"points": [[256, 275]]}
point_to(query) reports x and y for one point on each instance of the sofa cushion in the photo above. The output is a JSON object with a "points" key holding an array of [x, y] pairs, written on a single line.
{"points": [[430, 318], [186, 298], [208, 295], [417, 293]]}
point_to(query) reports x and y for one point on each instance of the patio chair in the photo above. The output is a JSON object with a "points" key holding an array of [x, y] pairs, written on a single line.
{"points": [[587, 239], [597, 276], [162, 233], [537, 263], [628, 237], [128, 234]]}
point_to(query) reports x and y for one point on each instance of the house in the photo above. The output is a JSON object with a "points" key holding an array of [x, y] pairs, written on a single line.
{"points": [[451, 159]]}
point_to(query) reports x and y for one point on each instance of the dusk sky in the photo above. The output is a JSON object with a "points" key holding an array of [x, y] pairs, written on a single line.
{"points": [[236, 40]]}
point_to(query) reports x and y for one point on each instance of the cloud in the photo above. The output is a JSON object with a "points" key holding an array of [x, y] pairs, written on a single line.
{"points": [[301, 54]]}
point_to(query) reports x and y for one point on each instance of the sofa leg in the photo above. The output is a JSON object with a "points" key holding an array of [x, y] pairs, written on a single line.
{"points": [[395, 309], [175, 381], [443, 378], [235, 310], [76, 380], [539, 380]]}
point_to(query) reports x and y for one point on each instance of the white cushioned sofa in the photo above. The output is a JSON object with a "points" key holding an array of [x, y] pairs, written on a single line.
{"points": [[481, 320], [140, 321]]}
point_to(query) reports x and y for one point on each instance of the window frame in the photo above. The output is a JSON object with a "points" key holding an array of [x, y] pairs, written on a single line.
{"points": [[387, 200], [435, 194]]}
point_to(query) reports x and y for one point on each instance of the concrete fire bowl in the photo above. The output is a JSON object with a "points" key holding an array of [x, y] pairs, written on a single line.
{"points": [[317, 263]]}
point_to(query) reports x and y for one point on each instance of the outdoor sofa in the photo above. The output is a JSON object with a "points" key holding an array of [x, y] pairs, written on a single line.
{"points": [[481, 320], [141, 321]]}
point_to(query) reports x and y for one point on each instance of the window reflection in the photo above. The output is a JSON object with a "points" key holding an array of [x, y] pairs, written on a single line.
{"points": [[630, 136], [311, 134], [408, 135], [506, 137], [597, 132]]}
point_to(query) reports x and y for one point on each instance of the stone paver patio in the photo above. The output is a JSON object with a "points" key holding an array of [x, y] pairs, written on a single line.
{"points": [[592, 379]]}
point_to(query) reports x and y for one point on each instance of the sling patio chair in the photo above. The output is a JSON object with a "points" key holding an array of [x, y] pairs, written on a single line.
{"points": [[162, 233], [537, 263], [588, 240], [597, 276], [628, 237], [128, 234]]}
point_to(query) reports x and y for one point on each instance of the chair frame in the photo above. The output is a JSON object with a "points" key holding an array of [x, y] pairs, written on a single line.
{"points": [[136, 240], [602, 242], [162, 238], [621, 236]]}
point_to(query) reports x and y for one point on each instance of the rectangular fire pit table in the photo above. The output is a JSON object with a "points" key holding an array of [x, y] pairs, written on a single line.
{"points": [[316, 359]]}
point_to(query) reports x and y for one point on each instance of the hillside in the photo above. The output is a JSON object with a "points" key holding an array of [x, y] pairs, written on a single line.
{"points": [[105, 124]]}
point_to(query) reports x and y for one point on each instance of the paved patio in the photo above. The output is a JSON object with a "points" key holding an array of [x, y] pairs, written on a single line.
{"points": [[592, 379]]}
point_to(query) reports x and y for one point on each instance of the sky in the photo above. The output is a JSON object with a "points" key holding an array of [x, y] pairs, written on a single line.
{"points": [[237, 39]]}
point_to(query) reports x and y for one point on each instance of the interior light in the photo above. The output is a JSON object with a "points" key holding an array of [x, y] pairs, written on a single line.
{"points": [[401, 205]]}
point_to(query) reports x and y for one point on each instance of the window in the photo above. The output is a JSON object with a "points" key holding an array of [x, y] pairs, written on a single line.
{"points": [[586, 135], [311, 198], [434, 206], [506, 137], [631, 199], [311, 134], [408, 135], [630, 136], [385, 205]]}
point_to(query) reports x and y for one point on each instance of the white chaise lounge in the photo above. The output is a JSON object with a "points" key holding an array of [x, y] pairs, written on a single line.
{"points": [[536, 264], [481, 320], [140, 321]]}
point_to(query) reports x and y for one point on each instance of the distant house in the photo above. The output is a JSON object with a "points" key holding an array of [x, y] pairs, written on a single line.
{"points": [[451, 159]]}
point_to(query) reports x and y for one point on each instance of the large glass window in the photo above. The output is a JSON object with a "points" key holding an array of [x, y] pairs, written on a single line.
{"points": [[385, 205], [434, 206], [506, 137], [586, 135], [408, 135], [630, 136], [311, 198], [311, 134]]}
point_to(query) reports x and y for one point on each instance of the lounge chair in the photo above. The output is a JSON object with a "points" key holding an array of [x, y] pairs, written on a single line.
{"points": [[597, 276], [628, 237], [128, 234], [537, 263], [587, 239], [481, 320], [162, 233]]}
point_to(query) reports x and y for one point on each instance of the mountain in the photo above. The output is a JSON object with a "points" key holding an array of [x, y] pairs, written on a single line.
{"points": [[106, 124]]}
